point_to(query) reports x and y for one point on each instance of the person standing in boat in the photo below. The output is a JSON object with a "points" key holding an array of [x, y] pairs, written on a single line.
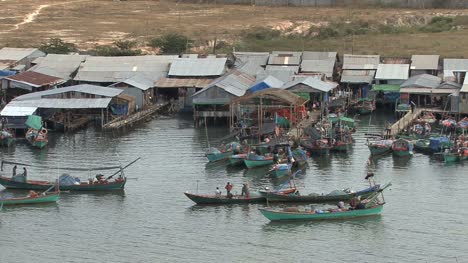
{"points": [[14, 170], [25, 174], [218, 192], [245, 191], [228, 188]]}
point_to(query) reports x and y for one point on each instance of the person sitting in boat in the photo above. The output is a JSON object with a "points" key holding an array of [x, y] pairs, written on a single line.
{"points": [[245, 191], [101, 178], [33, 194], [218, 192], [341, 206]]}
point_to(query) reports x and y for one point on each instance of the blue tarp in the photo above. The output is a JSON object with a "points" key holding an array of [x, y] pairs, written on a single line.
{"points": [[259, 86], [436, 143], [119, 109], [66, 179], [6, 73]]}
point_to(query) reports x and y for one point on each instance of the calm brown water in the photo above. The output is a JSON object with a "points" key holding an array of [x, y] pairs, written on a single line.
{"points": [[425, 219]]}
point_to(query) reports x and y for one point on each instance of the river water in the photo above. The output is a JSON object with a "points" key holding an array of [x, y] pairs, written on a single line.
{"points": [[425, 218]]}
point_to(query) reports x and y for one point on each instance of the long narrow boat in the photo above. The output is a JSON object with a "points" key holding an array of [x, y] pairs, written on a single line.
{"points": [[39, 199], [118, 184], [218, 156], [275, 215], [451, 157], [317, 198], [318, 147], [220, 199], [342, 146]]}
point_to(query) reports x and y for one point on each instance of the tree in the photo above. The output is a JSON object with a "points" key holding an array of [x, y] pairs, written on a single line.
{"points": [[171, 43], [57, 46], [118, 48]]}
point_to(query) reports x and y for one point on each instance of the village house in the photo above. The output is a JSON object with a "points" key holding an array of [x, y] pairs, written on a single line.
{"points": [[58, 65], [64, 108], [463, 105], [358, 73], [213, 101], [132, 74], [27, 82], [455, 69], [251, 62], [18, 59], [319, 63], [424, 64], [188, 75], [388, 79], [313, 89]]}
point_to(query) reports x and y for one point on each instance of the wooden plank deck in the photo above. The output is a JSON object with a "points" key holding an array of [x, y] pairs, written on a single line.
{"points": [[130, 120]]}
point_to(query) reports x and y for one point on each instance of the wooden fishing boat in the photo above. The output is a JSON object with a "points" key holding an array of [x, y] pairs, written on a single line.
{"points": [[402, 147], [281, 215], [365, 106], [68, 183], [225, 151], [321, 198], [451, 157], [117, 184], [237, 159], [258, 161], [342, 146], [30, 200], [280, 170], [317, 147], [220, 199], [380, 147]]}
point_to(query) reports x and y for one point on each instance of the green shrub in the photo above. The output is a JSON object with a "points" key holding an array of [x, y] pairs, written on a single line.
{"points": [[171, 43], [261, 33], [57, 46]]}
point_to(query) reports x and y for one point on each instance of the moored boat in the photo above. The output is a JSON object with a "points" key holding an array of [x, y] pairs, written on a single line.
{"points": [[337, 195], [255, 160], [222, 199], [31, 199], [237, 159], [282, 215], [402, 147], [224, 152], [36, 134], [317, 147], [380, 147], [6, 138], [117, 184]]}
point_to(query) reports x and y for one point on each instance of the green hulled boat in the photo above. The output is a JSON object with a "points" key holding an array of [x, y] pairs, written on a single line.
{"points": [[237, 159], [341, 146], [423, 145], [402, 147], [275, 215], [218, 156], [280, 170], [6, 138], [250, 163], [451, 157], [380, 147], [29, 200]]}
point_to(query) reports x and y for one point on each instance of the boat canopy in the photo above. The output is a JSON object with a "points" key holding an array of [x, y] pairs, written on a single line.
{"points": [[34, 122]]}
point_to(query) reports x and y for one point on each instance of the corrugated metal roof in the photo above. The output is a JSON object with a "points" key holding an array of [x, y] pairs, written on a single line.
{"points": [[313, 83], [11, 110], [270, 68], [287, 53], [323, 66], [182, 82], [313, 55], [63, 103], [454, 65], [198, 67], [61, 66], [35, 79], [357, 76], [140, 81], [450, 85], [83, 88], [425, 62], [257, 58], [16, 54], [361, 61], [422, 81], [428, 91], [117, 69], [271, 81], [284, 59], [283, 73], [392, 71], [235, 83]]}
